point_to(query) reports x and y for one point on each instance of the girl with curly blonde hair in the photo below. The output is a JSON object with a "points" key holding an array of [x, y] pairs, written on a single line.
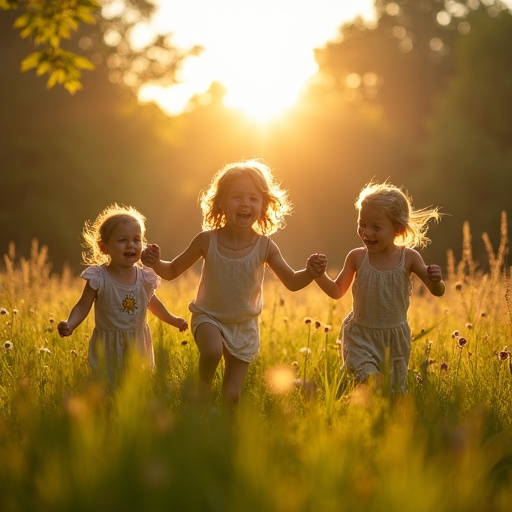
{"points": [[120, 288], [241, 207]]}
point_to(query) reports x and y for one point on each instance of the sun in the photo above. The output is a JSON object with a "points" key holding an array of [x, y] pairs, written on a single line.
{"points": [[261, 51]]}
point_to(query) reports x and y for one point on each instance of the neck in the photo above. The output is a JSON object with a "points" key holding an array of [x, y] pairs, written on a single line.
{"points": [[236, 241]]}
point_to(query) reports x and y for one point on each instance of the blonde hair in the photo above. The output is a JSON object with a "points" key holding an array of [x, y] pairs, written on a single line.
{"points": [[411, 225], [99, 231], [276, 204]]}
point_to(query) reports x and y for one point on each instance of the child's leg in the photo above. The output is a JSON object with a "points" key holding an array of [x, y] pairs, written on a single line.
{"points": [[234, 375], [209, 342]]}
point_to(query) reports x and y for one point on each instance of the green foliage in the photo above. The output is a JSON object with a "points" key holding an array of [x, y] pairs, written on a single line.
{"points": [[67, 443], [469, 152], [47, 24]]}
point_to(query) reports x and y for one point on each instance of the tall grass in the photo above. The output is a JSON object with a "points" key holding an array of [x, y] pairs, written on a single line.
{"points": [[297, 443]]}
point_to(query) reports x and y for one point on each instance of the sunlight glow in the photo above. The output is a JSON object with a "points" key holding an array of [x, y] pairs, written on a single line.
{"points": [[260, 50]]}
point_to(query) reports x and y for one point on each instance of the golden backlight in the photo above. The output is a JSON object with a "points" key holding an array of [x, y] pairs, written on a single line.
{"points": [[260, 50]]}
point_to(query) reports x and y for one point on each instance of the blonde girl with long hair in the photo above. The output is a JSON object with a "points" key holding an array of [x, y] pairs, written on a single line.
{"points": [[380, 275], [242, 206]]}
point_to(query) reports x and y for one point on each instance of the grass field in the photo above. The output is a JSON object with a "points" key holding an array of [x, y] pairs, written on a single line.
{"points": [[297, 443]]}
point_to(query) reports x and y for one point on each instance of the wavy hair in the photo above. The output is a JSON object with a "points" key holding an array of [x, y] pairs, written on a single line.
{"points": [[411, 225], [100, 229], [276, 204]]}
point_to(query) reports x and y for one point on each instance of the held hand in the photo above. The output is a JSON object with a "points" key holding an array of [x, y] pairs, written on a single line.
{"points": [[64, 329], [182, 324], [150, 255], [434, 273], [316, 264]]}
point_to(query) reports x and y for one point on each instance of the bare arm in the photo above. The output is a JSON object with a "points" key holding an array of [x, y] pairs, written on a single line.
{"points": [[293, 279], [157, 307], [338, 287], [172, 269], [79, 312], [430, 275]]}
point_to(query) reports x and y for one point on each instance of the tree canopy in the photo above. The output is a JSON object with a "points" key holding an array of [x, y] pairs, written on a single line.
{"points": [[49, 24]]}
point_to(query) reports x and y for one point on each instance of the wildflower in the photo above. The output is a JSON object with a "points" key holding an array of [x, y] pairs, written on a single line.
{"points": [[3, 311], [469, 326], [45, 350], [455, 334], [318, 324], [307, 385], [305, 350], [444, 366], [458, 286], [327, 328], [503, 355], [8, 346], [461, 341], [483, 314], [295, 365], [15, 311], [307, 320], [51, 320]]}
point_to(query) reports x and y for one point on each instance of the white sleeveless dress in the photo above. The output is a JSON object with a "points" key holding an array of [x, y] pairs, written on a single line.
{"points": [[230, 297], [376, 329]]}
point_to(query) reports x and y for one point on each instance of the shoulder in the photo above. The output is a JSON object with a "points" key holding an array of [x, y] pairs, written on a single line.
{"points": [[202, 240], [355, 257], [412, 255], [270, 247], [150, 277], [94, 275], [413, 260]]}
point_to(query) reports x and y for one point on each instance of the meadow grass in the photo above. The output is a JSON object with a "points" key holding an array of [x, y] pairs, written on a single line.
{"points": [[297, 442]]}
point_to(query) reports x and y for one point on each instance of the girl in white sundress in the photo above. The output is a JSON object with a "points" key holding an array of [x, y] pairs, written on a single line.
{"points": [[242, 205], [120, 289], [380, 271]]}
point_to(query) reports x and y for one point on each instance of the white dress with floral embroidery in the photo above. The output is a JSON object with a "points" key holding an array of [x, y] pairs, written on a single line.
{"points": [[120, 318]]}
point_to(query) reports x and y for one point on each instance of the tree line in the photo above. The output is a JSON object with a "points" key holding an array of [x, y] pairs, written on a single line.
{"points": [[421, 97]]}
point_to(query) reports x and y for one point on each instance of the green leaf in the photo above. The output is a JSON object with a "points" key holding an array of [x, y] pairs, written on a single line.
{"points": [[31, 61]]}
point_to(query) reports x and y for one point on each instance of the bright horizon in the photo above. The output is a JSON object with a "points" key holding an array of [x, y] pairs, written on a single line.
{"points": [[261, 51]]}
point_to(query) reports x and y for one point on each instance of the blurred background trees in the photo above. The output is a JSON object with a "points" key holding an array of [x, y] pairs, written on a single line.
{"points": [[422, 96]]}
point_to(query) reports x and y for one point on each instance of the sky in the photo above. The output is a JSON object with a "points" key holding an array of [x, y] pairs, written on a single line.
{"points": [[262, 51]]}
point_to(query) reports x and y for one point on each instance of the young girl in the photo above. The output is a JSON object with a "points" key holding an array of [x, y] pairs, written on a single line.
{"points": [[242, 205], [377, 325], [121, 290]]}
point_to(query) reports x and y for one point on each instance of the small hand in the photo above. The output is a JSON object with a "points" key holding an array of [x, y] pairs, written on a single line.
{"points": [[434, 273], [316, 264], [64, 329], [150, 255], [181, 324]]}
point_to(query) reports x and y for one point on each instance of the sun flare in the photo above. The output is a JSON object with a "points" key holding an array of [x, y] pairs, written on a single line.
{"points": [[261, 51]]}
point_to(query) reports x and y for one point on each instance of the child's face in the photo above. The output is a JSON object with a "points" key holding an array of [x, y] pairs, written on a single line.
{"points": [[125, 244], [375, 228], [242, 203]]}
